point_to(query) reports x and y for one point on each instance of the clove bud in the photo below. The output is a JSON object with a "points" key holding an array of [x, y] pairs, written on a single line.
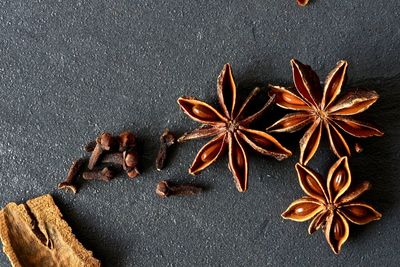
{"points": [[167, 139], [103, 143], [165, 189], [110, 156], [73, 173], [126, 140]]}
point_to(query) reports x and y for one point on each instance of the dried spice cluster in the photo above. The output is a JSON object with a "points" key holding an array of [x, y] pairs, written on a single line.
{"points": [[330, 206], [110, 155]]}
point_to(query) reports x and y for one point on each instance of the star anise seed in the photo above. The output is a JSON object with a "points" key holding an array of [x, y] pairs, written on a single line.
{"points": [[333, 206], [229, 129], [319, 107]]}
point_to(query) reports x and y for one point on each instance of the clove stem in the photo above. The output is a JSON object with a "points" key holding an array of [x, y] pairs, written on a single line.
{"points": [[72, 175], [105, 174], [166, 189], [167, 139]]}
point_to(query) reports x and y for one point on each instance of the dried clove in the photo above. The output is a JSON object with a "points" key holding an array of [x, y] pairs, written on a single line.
{"points": [[114, 158], [72, 175], [167, 139], [110, 156], [105, 174], [127, 140], [166, 189], [105, 142]]}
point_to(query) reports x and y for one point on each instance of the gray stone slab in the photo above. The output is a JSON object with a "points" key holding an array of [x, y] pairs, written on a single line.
{"points": [[71, 69]]}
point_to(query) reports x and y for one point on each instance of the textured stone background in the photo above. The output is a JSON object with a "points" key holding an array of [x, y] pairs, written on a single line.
{"points": [[71, 69]]}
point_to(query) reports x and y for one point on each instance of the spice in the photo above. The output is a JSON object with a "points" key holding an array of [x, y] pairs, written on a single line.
{"points": [[167, 139], [73, 173], [229, 129], [105, 142], [166, 189], [302, 2], [110, 155], [127, 145], [319, 107], [333, 206], [35, 234], [105, 174]]}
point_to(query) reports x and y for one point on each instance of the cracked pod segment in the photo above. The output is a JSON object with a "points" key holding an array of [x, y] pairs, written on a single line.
{"points": [[34, 234]]}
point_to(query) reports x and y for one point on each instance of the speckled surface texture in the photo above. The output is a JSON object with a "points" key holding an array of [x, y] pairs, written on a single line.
{"points": [[71, 69]]}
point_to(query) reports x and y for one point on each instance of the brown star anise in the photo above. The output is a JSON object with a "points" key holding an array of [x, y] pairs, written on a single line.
{"points": [[332, 206], [320, 108], [230, 130]]}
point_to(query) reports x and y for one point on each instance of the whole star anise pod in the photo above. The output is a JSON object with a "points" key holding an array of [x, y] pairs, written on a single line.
{"points": [[332, 206], [230, 130], [319, 107]]}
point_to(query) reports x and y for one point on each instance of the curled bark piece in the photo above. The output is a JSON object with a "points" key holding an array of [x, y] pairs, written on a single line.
{"points": [[167, 139], [34, 234]]}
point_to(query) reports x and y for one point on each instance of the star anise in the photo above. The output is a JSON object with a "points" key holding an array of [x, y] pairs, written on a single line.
{"points": [[332, 206], [230, 130], [319, 107]]}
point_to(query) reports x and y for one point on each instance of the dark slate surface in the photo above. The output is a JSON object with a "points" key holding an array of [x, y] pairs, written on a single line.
{"points": [[71, 69]]}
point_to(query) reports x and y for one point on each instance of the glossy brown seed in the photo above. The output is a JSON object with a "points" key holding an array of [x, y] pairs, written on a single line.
{"points": [[338, 230], [314, 186], [291, 99], [340, 180], [302, 210], [202, 113], [305, 209], [210, 152]]}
